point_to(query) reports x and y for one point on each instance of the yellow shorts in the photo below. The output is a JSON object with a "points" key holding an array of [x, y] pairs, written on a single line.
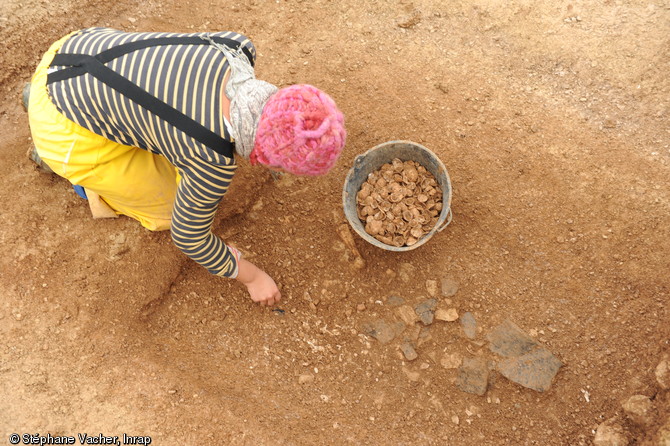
{"points": [[132, 181]]}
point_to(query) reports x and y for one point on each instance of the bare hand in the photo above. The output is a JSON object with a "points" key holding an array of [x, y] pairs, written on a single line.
{"points": [[262, 288]]}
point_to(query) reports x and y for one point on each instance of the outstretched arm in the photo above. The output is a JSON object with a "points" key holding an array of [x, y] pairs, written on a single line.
{"points": [[195, 206]]}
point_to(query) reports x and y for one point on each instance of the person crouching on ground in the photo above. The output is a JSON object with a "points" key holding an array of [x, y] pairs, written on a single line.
{"points": [[147, 125]]}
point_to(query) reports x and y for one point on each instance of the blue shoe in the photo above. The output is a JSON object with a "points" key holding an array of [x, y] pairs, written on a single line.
{"points": [[80, 191]]}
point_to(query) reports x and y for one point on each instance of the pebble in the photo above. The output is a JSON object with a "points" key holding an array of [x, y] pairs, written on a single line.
{"points": [[411, 375], [640, 410], [413, 332], [455, 419], [609, 124], [407, 314], [431, 287], [424, 333], [425, 311], [360, 307], [664, 434], [469, 325], [406, 272], [663, 373], [534, 370], [395, 301], [473, 376], [408, 351], [410, 21], [449, 287], [382, 330], [451, 361], [508, 340], [610, 434], [449, 315], [306, 378]]}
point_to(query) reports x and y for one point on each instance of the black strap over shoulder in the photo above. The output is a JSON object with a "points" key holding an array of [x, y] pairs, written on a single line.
{"points": [[121, 50], [95, 66]]}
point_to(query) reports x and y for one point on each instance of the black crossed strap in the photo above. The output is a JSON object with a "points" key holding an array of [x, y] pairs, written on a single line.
{"points": [[95, 65]]}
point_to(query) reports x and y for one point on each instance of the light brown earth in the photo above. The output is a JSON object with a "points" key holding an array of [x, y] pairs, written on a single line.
{"points": [[552, 119]]}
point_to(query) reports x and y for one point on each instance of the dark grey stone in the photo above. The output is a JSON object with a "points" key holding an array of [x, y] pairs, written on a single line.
{"points": [[534, 370], [473, 376], [469, 325], [508, 340], [408, 350], [382, 330], [426, 311]]}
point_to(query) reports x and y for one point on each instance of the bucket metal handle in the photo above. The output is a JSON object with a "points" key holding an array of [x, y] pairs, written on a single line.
{"points": [[450, 216]]}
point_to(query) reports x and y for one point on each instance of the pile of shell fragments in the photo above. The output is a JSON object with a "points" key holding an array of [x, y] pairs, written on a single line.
{"points": [[399, 203]]}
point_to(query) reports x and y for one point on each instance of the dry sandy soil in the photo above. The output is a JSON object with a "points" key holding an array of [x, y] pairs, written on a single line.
{"points": [[552, 119]]}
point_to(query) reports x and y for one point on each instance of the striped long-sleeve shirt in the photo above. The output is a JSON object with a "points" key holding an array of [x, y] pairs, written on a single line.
{"points": [[189, 78]]}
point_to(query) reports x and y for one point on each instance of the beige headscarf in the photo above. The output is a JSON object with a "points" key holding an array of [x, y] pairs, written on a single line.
{"points": [[247, 95]]}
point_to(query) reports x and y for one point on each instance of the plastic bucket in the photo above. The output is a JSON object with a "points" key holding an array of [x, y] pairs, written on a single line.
{"points": [[384, 153]]}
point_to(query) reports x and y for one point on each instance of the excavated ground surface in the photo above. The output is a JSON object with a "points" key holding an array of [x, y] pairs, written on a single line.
{"points": [[552, 119]]}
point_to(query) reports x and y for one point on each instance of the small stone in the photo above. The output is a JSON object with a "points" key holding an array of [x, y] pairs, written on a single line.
{"points": [[451, 361], [411, 375], [406, 272], [609, 123], [382, 330], [431, 287], [455, 419], [408, 351], [306, 378], [664, 434], [413, 332], [410, 21], [395, 301], [425, 311], [427, 317], [425, 336], [610, 434], [469, 325], [473, 376], [424, 333], [360, 307], [663, 373], [407, 314], [18, 316], [534, 370], [449, 287], [640, 410], [508, 340], [449, 315]]}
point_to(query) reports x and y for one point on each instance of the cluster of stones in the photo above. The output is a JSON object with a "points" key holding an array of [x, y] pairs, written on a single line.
{"points": [[642, 413], [518, 356], [399, 203]]}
